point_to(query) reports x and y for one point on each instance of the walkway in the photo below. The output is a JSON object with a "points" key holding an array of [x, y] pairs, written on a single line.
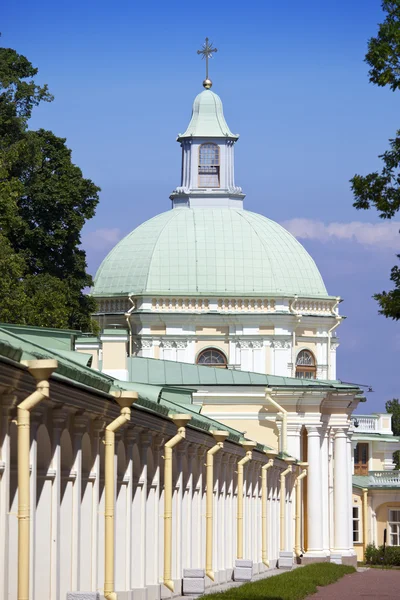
{"points": [[373, 584]]}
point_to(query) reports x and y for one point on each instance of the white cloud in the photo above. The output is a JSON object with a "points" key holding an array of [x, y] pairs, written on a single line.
{"points": [[101, 239], [379, 235]]}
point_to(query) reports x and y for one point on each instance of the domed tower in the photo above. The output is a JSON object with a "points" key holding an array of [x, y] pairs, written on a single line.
{"points": [[208, 282]]}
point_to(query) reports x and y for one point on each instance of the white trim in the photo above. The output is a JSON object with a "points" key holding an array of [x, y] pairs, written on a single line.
{"points": [[250, 416]]}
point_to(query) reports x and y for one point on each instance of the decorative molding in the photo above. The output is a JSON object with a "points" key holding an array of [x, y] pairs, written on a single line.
{"points": [[147, 344], [281, 344]]}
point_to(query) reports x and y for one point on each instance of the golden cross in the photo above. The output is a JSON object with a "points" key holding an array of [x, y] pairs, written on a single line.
{"points": [[207, 51]]}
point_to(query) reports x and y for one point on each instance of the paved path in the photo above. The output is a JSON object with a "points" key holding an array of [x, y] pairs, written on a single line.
{"points": [[373, 584]]}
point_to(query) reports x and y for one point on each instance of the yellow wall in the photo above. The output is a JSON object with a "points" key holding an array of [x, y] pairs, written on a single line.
{"points": [[306, 332], [114, 355], [265, 432], [94, 353], [358, 546], [377, 460], [266, 329], [212, 331], [158, 329], [382, 519]]}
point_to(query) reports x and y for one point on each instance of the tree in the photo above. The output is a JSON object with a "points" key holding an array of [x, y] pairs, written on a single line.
{"points": [[393, 407], [382, 190], [44, 203]]}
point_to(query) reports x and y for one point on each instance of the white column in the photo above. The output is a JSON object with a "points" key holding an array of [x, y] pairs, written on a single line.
{"points": [[349, 494], [325, 488], [6, 556], [59, 418], [314, 494], [340, 491]]}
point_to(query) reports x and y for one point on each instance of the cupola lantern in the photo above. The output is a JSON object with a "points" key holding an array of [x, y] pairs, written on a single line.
{"points": [[207, 152]]}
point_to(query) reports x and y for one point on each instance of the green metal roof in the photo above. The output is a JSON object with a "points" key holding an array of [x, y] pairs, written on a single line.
{"points": [[48, 337], [168, 372], [207, 118], [209, 251], [157, 399], [67, 368]]}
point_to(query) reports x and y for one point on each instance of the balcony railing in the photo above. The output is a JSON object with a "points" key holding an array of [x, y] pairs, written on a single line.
{"points": [[367, 424], [384, 478]]}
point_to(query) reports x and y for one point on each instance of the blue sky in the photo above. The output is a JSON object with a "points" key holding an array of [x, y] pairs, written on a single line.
{"points": [[294, 85]]}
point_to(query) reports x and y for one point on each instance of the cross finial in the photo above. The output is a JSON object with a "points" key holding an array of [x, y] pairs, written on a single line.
{"points": [[207, 52]]}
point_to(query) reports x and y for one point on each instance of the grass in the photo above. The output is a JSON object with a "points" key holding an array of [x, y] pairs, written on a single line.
{"points": [[292, 585]]}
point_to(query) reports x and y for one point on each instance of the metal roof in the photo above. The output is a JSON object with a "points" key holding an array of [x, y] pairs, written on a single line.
{"points": [[168, 372], [209, 251], [207, 118]]}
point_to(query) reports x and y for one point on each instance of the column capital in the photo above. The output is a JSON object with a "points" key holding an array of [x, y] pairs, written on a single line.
{"points": [[98, 425], [59, 416], [340, 432], [294, 427], [131, 436], [314, 430]]}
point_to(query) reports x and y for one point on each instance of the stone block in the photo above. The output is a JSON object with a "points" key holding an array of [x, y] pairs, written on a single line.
{"points": [[194, 573], [242, 573], [285, 560], [193, 586], [336, 558], [242, 562], [83, 596]]}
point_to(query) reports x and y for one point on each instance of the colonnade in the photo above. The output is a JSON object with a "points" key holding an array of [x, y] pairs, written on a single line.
{"points": [[67, 499], [67, 504]]}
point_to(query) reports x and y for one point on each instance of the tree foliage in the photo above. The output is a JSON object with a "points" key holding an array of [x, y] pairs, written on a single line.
{"points": [[381, 190], [44, 203], [393, 407]]}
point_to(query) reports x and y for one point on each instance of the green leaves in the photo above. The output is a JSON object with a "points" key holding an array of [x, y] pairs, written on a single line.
{"points": [[382, 190], [383, 54], [44, 203]]}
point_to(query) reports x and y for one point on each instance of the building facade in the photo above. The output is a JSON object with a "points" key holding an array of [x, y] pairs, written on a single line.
{"points": [[376, 482]]}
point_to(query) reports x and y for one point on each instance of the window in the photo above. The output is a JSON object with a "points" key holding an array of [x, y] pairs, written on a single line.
{"points": [[361, 456], [305, 365], [394, 527], [211, 357], [209, 166], [356, 524]]}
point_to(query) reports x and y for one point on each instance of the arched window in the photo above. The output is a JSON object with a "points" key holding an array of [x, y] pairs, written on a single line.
{"points": [[211, 357], [305, 365], [209, 166]]}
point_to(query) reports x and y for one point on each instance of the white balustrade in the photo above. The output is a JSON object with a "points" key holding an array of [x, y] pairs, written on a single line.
{"points": [[366, 424], [384, 478]]}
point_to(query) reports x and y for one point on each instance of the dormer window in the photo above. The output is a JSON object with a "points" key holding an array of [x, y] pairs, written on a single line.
{"points": [[209, 166]]}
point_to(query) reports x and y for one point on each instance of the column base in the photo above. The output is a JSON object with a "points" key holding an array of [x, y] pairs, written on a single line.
{"points": [[344, 558], [285, 560], [314, 556]]}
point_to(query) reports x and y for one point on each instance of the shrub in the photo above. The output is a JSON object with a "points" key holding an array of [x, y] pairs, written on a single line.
{"points": [[389, 556]]}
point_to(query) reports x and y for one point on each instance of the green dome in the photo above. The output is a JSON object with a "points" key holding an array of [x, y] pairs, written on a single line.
{"points": [[209, 251]]}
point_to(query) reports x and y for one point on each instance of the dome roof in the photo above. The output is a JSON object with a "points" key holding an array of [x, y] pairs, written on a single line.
{"points": [[207, 118], [209, 251]]}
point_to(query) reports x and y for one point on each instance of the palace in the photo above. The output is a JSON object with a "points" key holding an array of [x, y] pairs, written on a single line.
{"points": [[203, 435]]}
